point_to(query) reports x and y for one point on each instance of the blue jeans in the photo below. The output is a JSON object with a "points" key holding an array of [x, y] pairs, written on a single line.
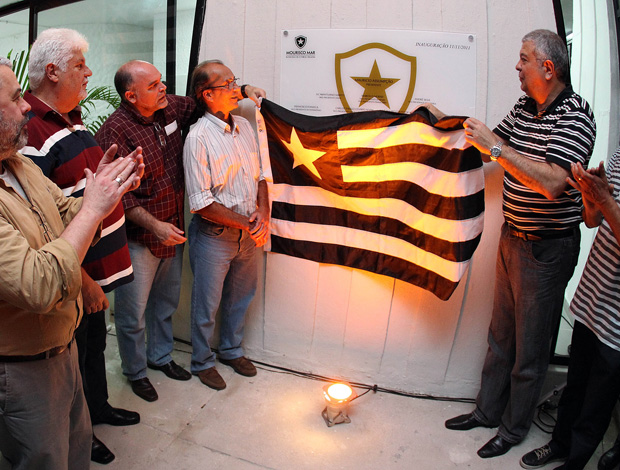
{"points": [[531, 277], [146, 305], [223, 261]]}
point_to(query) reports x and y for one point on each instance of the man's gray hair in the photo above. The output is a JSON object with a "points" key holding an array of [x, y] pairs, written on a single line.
{"points": [[549, 46], [53, 46]]}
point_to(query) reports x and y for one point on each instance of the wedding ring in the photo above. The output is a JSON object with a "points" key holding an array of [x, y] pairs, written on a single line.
{"points": [[119, 180]]}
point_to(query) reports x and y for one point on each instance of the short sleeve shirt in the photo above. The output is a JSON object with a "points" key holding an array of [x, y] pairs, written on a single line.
{"points": [[563, 134]]}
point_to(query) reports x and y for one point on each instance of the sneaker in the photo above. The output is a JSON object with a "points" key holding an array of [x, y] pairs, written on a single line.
{"points": [[541, 457]]}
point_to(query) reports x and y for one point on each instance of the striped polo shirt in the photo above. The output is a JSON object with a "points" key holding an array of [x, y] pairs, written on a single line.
{"points": [[597, 300], [562, 134], [63, 152]]}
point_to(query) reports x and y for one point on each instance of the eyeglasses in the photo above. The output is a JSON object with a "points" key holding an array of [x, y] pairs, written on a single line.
{"points": [[230, 84]]}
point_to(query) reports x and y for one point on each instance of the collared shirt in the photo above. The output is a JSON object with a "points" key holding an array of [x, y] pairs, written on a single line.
{"points": [[596, 303], [40, 276], [563, 134], [63, 151], [222, 165], [161, 191]]}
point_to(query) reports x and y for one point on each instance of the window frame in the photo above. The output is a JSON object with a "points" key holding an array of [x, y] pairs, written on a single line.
{"points": [[34, 7]]}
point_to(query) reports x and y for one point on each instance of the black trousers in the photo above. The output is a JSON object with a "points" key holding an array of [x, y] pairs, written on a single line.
{"points": [[90, 337], [592, 389]]}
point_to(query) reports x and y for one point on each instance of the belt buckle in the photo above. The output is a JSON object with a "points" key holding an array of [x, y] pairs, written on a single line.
{"points": [[528, 237]]}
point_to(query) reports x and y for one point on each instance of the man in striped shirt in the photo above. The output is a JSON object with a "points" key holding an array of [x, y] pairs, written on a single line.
{"points": [[593, 382], [228, 196], [60, 144], [549, 128]]}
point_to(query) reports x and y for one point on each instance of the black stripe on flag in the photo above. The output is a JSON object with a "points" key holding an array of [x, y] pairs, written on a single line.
{"points": [[372, 261], [395, 194], [460, 251]]}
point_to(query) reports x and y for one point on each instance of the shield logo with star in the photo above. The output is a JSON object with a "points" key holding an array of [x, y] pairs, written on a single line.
{"points": [[375, 76], [300, 41]]}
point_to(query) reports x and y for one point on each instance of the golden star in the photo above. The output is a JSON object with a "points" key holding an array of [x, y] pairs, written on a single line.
{"points": [[375, 86], [302, 155]]}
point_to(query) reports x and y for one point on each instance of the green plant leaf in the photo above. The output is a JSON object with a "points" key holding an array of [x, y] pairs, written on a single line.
{"points": [[20, 67]]}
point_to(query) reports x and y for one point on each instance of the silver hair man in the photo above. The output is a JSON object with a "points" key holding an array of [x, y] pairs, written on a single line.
{"points": [[549, 46], [53, 46]]}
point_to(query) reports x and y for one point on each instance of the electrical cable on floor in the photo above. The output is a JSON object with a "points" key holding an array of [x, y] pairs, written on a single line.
{"points": [[375, 388], [321, 378], [546, 427]]}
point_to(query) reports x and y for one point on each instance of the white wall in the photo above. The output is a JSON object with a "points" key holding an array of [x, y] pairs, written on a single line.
{"points": [[345, 323]]}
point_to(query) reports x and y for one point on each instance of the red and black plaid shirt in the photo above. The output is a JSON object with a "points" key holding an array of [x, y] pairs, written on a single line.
{"points": [[162, 189]]}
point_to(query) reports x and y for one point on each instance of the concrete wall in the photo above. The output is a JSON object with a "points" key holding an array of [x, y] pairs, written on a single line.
{"points": [[345, 323]]}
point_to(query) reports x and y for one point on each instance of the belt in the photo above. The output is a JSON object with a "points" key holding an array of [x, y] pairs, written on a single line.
{"points": [[37, 357], [530, 237]]}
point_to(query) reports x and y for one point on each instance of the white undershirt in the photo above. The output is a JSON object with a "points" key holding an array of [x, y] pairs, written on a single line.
{"points": [[10, 180]]}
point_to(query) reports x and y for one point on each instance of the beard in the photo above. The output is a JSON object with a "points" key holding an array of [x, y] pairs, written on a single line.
{"points": [[13, 135]]}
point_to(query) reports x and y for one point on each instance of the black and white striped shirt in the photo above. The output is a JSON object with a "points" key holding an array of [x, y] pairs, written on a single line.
{"points": [[597, 300], [563, 134]]}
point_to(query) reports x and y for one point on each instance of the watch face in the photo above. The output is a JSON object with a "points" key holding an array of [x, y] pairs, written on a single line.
{"points": [[496, 151]]}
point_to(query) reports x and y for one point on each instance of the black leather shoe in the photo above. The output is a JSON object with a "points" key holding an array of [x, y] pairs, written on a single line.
{"points": [[117, 417], [100, 453], [495, 447], [610, 459], [172, 370], [144, 389], [464, 423]]}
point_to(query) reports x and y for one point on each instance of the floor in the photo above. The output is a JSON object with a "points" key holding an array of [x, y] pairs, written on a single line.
{"points": [[273, 421]]}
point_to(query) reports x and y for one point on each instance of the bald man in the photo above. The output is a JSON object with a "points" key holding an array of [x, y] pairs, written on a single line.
{"points": [[152, 119]]}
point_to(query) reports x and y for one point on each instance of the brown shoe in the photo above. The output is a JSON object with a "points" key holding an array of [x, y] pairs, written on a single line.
{"points": [[242, 365], [212, 378]]}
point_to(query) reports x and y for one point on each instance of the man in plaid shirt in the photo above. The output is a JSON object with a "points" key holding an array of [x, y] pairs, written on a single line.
{"points": [[153, 120]]}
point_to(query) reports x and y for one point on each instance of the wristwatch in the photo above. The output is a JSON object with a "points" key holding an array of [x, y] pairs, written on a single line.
{"points": [[496, 151]]}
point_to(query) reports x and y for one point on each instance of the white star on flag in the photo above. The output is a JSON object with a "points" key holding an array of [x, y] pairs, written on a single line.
{"points": [[303, 155]]}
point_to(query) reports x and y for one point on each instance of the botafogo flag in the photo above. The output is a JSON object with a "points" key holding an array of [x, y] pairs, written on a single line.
{"points": [[396, 194]]}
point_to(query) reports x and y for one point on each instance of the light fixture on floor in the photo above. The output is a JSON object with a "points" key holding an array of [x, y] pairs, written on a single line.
{"points": [[337, 397]]}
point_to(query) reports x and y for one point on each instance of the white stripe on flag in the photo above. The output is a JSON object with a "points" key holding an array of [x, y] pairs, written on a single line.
{"points": [[404, 134], [449, 230], [443, 183], [370, 241]]}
